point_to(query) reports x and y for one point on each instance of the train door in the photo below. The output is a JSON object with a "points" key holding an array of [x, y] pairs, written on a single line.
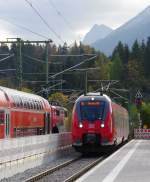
{"points": [[47, 123], [7, 124], [2, 124]]}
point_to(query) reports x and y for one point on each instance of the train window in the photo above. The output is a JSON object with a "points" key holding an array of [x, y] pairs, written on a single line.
{"points": [[41, 105], [38, 103], [21, 103], [7, 98], [14, 104], [18, 101], [34, 104], [92, 111], [25, 104], [28, 104], [66, 114], [57, 112], [2, 117], [61, 111], [31, 104], [14, 101]]}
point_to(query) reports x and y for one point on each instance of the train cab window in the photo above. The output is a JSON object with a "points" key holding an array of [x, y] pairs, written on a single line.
{"points": [[2, 117], [92, 111]]}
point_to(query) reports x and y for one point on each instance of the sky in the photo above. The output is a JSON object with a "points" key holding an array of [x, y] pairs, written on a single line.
{"points": [[63, 20]]}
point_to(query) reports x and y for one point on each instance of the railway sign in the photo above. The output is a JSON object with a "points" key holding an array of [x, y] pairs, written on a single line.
{"points": [[142, 133], [138, 98], [138, 94]]}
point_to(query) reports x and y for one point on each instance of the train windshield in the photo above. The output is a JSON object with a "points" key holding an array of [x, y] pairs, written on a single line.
{"points": [[92, 110]]}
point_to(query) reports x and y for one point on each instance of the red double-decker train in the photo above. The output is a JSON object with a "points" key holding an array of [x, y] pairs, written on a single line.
{"points": [[25, 114], [98, 123]]}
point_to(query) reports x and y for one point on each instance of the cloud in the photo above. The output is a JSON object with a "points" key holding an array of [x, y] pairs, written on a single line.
{"points": [[72, 18]]}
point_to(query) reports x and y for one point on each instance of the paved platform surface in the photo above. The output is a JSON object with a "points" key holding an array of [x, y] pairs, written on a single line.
{"points": [[131, 163]]}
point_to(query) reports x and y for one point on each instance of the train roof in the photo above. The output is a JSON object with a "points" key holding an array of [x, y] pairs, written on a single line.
{"points": [[11, 92], [93, 96], [98, 96]]}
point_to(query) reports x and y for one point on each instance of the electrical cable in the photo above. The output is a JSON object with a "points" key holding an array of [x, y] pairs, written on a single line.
{"points": [[60, 14], [25, 28], [44, 21]]}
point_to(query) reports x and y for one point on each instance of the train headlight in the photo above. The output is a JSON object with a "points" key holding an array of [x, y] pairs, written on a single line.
{"points": [[102, 125], [80, 125]]}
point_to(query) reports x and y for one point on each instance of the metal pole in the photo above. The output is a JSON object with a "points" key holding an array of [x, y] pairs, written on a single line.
{"points": [[19, 57], [86, 82], [47, 65]]}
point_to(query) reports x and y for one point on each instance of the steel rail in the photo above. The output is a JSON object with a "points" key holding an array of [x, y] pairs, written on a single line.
{"points": [[50, 171], [93, 164], [85, 169]]}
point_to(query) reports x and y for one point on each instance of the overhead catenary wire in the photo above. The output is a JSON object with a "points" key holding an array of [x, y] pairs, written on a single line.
{"points": [[72, 67], [6, 58], [47, 89], [60, 14], [34, 59], [68, 69], [120, 96], [5, 70], [25, 28], [71, 55], [44, 21]]}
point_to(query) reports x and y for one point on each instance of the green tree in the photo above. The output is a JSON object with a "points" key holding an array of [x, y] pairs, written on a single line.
{"points": [[134, 116], [147, 59], [145, 114], [116, 68], [59, 97]]}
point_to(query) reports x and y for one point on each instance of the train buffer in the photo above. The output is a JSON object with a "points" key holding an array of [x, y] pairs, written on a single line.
{"points": [[131, 163]]}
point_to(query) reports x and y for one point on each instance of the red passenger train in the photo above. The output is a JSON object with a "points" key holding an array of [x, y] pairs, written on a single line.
{"points": [[98, 122], [25, 114]]}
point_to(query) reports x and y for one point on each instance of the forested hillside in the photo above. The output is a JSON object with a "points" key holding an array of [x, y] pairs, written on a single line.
{"points": [[130, 66]]}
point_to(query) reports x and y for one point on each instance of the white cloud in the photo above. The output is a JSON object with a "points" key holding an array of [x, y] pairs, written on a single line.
{"points": [[81, 15]]}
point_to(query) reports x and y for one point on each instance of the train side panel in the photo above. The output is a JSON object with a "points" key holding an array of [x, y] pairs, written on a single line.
{"points": [[121, 123]]}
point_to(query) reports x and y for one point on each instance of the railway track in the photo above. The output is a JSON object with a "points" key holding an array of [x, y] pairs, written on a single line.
{"points": [[84, 170], [70, 170], [50, 171]]}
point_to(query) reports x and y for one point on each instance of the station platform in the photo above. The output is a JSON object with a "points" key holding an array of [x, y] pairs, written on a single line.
{"points": [[131, 163]]}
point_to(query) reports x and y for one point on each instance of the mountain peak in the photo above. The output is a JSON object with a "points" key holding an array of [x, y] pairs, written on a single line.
{"points": [[135, 29], [96, 32]]}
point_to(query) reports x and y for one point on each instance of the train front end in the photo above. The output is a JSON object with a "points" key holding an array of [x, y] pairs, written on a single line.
{"points": [[92, 123]]}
